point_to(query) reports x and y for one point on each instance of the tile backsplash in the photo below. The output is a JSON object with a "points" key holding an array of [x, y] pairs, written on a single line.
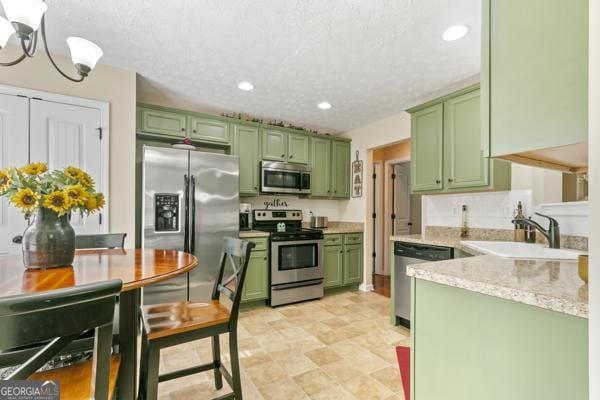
{"points": [[491, 210], [495, 210], [326, 208]]}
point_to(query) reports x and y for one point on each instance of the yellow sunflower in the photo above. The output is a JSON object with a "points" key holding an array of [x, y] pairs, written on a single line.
{"points": [[26, 199], [58, 202], [100, 200], [86, 180], [91, 204], [76, 194], [73, 172], [5, 180], [34, 168]]}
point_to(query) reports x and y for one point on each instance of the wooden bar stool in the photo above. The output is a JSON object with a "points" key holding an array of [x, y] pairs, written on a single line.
{"points": [[171, 324], [58, 317]]}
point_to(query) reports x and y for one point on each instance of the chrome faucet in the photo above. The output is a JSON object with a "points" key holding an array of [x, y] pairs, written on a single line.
{"points": [[552, 233]]}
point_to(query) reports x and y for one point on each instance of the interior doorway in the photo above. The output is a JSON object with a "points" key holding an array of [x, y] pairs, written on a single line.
{"points": [[395, 210]]}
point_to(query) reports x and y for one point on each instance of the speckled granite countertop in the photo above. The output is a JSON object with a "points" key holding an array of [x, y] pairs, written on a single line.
{"points": [[253, 234], [552, 285]]}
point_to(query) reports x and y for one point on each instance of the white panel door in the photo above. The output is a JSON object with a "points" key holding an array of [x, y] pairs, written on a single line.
{"points": [[402, 199], [14, 132], [64, 135]]}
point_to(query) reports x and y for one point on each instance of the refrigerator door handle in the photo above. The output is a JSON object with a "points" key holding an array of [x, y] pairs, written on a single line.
{"points": [[186, 237], [193, 227]]}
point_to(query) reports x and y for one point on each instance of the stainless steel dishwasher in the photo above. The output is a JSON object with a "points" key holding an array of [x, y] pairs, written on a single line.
{"points": [[406, 254]]}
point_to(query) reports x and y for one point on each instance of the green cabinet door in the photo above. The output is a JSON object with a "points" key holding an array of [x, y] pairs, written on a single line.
{"points": [[426, 148], [208, 130], [353, 263], [535, 73], [274, 145], [161, 122], [297, 148], [465, 155], [340, 176], [321, 167], [256, 284], [246, 145], [333, 258]]}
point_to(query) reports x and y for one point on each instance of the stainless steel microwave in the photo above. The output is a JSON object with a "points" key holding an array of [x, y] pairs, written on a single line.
{"points": [[284, 178]]}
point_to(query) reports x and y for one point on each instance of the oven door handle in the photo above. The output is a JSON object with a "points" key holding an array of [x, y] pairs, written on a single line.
{"points": [[295, 285]]}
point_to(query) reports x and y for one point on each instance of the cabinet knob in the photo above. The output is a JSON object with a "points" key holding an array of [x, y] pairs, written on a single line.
{"points": [[265, 258], [194, 131], [291, 156], [438, 181], [335, 192], [450, 180], [283, 155], [17, 239], [182, 129], [255, 188]]}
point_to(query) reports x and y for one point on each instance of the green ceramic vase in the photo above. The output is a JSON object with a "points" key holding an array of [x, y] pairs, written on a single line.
{"points": [[49, 242]]}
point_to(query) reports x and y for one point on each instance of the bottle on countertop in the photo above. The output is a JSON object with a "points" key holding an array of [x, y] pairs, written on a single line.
{"points": [[529, 233], [519, 226], [464, 230]]}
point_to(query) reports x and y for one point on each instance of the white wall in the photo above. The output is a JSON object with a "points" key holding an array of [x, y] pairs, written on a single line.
{"points": [[327, 208], [545, 184], [377, 134], [594, 157]]}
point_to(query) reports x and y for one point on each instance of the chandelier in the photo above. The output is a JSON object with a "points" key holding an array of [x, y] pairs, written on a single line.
{"points": [[23, 18]]}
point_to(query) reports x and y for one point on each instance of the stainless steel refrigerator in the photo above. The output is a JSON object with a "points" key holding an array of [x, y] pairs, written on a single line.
{"points": [[190, 203]]}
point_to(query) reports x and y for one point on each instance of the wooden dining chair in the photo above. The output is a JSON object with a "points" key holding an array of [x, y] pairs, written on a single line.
{"points": [[171, 324], [58, 317], [100, 241]]}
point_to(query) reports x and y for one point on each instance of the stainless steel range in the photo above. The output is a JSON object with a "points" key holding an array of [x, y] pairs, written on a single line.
{"points": [[296, 256]]}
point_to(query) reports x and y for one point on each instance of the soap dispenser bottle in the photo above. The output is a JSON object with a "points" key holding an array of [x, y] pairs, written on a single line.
{"points": [[519, 235]]}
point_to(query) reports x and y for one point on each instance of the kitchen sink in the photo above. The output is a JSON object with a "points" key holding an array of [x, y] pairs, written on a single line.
{"points": [[521, 250]]}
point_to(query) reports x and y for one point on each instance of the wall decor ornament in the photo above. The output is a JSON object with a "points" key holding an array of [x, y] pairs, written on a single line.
{"points": [[357, 177]]}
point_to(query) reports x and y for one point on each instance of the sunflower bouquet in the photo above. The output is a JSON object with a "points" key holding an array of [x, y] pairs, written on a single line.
{"points": [[62, 191]]}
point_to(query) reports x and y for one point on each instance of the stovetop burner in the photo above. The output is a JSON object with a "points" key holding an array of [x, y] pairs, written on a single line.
{"points": [[268, 221]]}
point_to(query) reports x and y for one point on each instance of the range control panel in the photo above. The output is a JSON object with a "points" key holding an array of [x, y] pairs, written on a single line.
{"points": [[166, 212]]}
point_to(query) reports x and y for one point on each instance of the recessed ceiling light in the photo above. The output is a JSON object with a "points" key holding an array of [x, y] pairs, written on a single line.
{"points": [[324, 105], [455, 32], [246, 86]]}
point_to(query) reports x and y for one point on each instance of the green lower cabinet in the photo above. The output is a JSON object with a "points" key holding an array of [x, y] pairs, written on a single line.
{"points": [[353, 263], [246, 145], [256, 284], [471, 346], [334, 266]]}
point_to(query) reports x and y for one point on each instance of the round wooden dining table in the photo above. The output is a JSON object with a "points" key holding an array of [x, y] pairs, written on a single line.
{"points": [[135, 267]]}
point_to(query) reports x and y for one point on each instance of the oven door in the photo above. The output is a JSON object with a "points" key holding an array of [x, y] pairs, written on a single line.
{"points": [[296, 261]]}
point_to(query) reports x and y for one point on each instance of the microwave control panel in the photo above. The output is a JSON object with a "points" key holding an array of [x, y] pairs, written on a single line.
{"points": [[166, 212]]}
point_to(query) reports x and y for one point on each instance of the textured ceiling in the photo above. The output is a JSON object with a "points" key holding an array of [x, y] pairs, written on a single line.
{"points": [[369, 58]]}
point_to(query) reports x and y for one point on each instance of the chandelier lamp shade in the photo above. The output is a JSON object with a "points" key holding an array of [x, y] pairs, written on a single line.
{"points": [[26, 19]]}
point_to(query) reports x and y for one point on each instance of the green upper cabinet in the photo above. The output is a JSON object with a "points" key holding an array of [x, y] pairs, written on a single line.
{"points": [[208, 130], [333, 260], [274, 145], [448, 151], [465, 154], [246, 145], [340, 178], [321, 167], [534, 75], [426, 148], [353, 260], [297, 148], [161, 122]]}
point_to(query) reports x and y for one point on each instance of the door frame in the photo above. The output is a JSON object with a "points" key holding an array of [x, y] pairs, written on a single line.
{"points": [[378, 237], [387, 224], [104, 108]]}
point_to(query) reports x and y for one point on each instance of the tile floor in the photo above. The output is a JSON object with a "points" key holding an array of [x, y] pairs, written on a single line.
{"points": [[339, 347]]}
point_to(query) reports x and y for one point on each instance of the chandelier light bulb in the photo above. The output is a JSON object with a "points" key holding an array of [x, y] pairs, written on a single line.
{"points": [[84, 54], [25, 15], [6, 31]]}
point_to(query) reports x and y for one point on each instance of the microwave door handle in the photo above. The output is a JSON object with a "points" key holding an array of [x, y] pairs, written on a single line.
{"points": [[193, 227], [186, 229]]}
